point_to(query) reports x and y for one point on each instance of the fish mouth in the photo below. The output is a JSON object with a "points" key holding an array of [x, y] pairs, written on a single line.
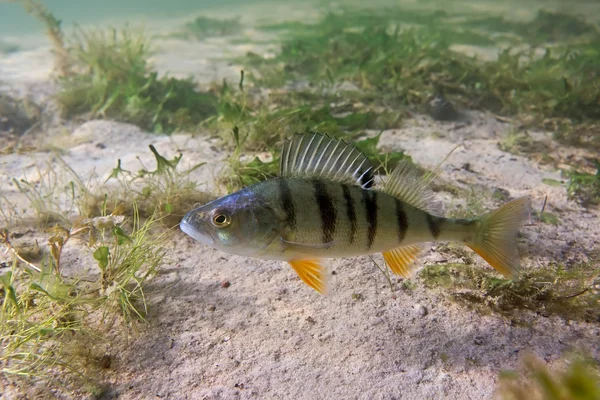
{"points": [[201, 235]]}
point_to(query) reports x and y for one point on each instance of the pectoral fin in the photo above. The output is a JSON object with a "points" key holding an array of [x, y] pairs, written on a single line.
{"points": [[400, 259], [311, 273]]}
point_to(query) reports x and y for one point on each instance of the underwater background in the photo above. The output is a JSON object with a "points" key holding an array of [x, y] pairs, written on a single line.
{"points": [[119, 117]]}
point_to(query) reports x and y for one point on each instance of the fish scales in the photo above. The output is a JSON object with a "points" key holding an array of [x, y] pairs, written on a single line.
{"points": [[355, 221]]}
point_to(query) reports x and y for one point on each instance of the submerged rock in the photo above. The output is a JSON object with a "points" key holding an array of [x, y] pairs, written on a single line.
{"points": [[17, 115], [441, 109]]}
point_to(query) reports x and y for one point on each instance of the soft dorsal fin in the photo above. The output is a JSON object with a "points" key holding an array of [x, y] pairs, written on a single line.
{"points": [[406, 183], [313, 155]]}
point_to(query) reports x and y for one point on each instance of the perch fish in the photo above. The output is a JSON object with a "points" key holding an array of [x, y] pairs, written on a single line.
{"points": [[323, 204]]}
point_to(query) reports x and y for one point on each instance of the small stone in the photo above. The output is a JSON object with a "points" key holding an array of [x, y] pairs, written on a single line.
{"points": [[478, 340], [225, 284], [211, 307], [421, 310], [501, 194], [105, 361], [311, 320], [357, 297]]}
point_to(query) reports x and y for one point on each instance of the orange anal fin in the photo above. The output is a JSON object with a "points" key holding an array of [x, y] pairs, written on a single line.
{"points": [[400, 259], [311, 273]]}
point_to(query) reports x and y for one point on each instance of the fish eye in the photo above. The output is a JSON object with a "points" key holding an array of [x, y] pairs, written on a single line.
{"points": [[221, 219]]}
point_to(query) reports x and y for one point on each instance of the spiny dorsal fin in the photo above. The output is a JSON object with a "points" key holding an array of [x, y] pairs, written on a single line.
{"points": [[406, 183], [313, 155]]}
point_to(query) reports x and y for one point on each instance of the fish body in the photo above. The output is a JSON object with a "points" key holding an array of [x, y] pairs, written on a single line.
{"points": [[324, 206]]}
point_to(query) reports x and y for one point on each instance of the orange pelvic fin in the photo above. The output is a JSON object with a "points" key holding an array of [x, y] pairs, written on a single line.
{"points": [[312, 273]]}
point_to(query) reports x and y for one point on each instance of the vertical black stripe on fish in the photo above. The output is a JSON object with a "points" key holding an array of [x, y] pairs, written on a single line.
{"points": [[401, 220], [350, 211], [370, 202], [287, 202], [435, 225], [326, 209]]}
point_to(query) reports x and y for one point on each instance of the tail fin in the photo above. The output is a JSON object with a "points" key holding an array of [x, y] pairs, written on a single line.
{"points": [[495, 239]]}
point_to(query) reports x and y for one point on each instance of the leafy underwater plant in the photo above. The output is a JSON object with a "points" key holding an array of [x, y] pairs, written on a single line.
{"points": [[57, 311], [584, 187], [392, 64], [166, 191], [50, 313], [554, 290], [579, 380], [112, 78]]}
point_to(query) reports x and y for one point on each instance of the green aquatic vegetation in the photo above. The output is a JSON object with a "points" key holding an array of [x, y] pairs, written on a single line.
{"points": [[243, 172], [402, 67], [203, 27], [578, 380], [54, 316], [167, 190], [555, 290], [388, 18], [548, 218], [263, 123], [112, 78], [383, 161], [584, 187], [56, 194]]}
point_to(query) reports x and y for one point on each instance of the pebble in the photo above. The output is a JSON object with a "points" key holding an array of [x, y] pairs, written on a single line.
{"points": [[225, 284], [421, 310]]}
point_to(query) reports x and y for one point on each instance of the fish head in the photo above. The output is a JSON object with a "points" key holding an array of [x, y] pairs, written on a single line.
{"points": [[241, 223]]}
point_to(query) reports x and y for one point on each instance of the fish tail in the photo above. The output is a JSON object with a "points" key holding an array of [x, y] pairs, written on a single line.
{"points": [[495, 236]]}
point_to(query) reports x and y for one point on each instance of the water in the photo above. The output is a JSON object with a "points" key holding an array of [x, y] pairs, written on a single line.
{"points": [[14, 20], [497, 97]]}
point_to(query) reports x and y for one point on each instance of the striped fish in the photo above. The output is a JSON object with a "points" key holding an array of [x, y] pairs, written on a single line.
{"points": [[324, 205]]}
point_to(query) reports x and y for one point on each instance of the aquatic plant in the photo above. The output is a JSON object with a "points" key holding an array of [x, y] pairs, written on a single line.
{"points": [[394, 65], [263, 123], [554, 290], [112, 78], [578, 380], [583, 186], [166, 191], [54, 316], [57, 311]]}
